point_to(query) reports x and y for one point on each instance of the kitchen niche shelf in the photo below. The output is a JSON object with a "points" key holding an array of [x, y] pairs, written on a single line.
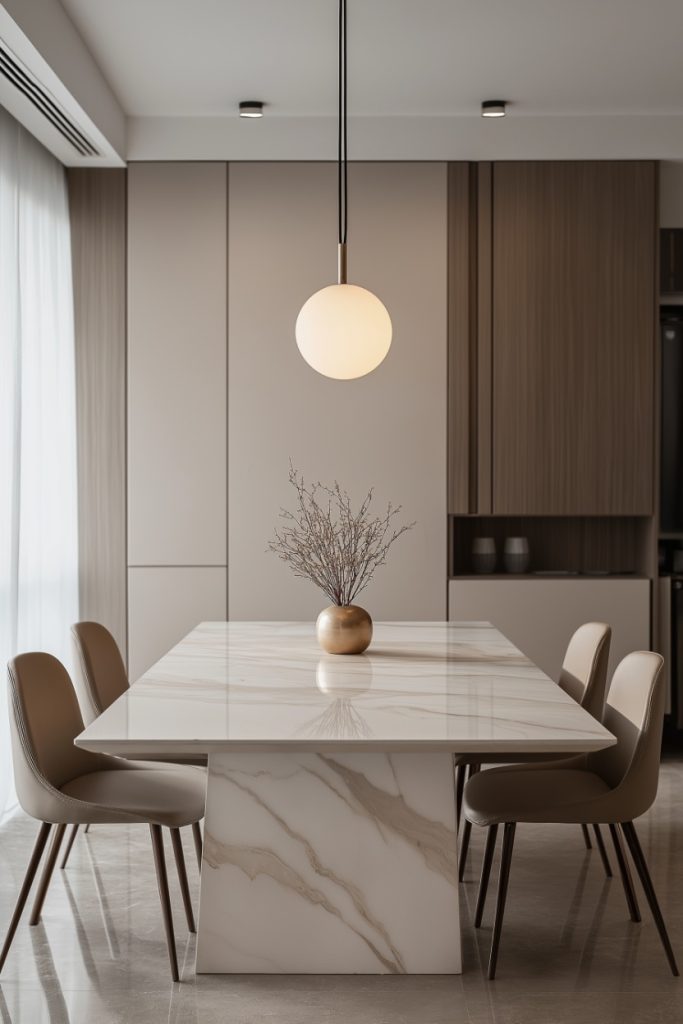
{"points": [[560, 547]]}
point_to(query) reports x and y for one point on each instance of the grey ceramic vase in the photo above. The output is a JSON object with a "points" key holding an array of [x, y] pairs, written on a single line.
{"points": [[516, 554], [484, 554]]}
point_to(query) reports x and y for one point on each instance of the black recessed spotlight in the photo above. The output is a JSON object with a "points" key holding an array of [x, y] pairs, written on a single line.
{"points": [[493, 108], [251, 108]]}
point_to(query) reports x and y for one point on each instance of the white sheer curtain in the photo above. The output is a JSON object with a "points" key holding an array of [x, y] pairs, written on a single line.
{"points": [[38, 495]]}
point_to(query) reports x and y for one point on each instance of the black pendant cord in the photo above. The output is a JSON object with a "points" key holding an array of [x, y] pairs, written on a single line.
{"points": [[342, 172]]}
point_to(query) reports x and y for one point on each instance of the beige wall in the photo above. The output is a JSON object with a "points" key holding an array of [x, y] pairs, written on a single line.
{"points": [[177, 470], [165, 604], [387, 430], [176, 364], [277, 224]]}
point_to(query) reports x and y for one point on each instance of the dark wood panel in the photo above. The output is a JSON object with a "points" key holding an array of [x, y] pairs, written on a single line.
{"points": [[573, 337], [484, 338], [97, 199], [461, 225]]}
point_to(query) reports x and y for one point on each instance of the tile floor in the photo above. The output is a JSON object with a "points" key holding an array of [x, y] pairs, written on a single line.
{"points": [[569, 953]]}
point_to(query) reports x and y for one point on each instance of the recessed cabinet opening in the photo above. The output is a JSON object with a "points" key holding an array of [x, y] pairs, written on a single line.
{"points": [[544, 546]]}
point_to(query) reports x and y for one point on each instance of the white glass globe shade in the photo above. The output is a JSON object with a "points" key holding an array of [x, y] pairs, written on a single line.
{"points": [[343, 331]]}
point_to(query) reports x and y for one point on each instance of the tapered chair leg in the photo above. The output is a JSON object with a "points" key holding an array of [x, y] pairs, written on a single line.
{"points": [[649, 889], [177, 844], [503, 879], [464, 847], [586, 837], [39, 846], [624, 871], [197, 836], [460, 775], [467, 830], [162, 882], [49, 867], [69, 844], [603, 852], [489, 851], [87, 828]]}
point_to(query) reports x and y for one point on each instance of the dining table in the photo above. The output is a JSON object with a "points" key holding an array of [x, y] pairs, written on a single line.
{"points": [[330, 836]]}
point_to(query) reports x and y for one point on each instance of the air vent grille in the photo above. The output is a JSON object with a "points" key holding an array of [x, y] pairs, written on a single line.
{"points": [[22, 79]]}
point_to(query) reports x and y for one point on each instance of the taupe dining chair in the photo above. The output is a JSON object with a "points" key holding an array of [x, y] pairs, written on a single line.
{"points": [[584, 677], [616, 785], [100, 679], [60, 784]]}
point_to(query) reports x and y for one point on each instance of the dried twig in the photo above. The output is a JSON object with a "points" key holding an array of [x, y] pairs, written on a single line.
{"points": [[326, 542]]}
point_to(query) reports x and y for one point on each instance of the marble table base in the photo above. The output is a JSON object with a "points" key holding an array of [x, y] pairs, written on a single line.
{"points": [[329, 864]]}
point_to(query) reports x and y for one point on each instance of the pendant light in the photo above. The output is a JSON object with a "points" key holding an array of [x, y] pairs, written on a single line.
{"points": [[343, 331]]}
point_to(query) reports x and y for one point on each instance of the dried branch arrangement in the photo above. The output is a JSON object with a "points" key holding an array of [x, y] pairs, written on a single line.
{"points": [[326, 542]]}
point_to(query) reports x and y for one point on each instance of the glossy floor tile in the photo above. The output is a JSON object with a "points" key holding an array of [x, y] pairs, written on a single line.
{"points": [[569, 953]]}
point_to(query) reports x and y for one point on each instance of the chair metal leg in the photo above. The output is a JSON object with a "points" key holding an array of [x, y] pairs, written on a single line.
{"points": [[586, 837], [491, 836], [69, 844], [177, 844], [460, 774], [467, 830], [197, 836], [643, 873], [603, 852], [39, 846], [87, 828], [464, 847], [162, 882], [503, 879], [49, 867], [624, 871]]}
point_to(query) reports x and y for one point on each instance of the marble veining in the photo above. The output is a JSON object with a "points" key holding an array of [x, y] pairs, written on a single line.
{"points": [[321, 864], [420, 686], [330, 842]]}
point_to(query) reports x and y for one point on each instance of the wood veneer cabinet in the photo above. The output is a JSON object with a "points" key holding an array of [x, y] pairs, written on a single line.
{"points": [[573, 299], [560, 344]]}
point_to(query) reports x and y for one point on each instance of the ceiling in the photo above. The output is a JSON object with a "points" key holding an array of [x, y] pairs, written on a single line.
{"points": [[198, 58]]}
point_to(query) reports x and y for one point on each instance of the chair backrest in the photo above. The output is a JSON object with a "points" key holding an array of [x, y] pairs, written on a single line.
{"points": [[101, 675], [634, 713], [584, 669], [44, 720]]}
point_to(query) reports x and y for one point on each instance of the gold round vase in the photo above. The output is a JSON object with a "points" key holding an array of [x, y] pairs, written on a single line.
{"points": [[344, 629]]}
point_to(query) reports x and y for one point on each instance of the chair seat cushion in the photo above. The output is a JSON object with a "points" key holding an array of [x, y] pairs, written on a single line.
{"points": [[158, 795], [552, 795]]}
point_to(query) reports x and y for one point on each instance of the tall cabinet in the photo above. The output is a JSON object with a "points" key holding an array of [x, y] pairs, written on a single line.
{"points": [[552, 328], [177, 443], [572, 338], [552, 324]]}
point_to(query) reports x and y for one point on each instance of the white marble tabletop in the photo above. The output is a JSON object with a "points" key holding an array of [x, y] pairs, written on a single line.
{"points": [[267, 686]]}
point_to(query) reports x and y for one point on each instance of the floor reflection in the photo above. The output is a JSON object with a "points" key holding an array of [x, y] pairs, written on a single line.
{"points": [[569, 953], [55, 1003]]}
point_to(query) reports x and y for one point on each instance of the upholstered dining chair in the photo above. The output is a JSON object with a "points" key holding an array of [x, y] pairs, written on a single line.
{"points": [[101, 678], [584, 677], [60, 784], [616, 785]]}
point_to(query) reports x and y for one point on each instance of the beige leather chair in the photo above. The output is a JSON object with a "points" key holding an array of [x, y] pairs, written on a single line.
{"points": [[60, 784], [100, 679], [584, 677], [614, 785]]}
